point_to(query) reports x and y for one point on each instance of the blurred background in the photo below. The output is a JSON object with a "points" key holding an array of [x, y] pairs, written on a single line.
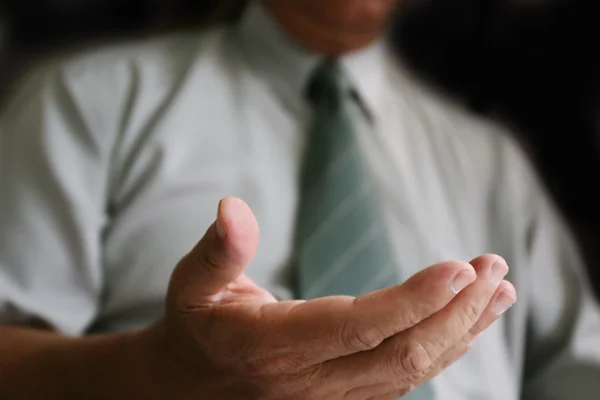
{"points": [[530, 63]]}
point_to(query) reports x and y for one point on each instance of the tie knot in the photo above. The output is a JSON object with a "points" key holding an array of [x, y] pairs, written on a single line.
{"points": [[327, 85]]}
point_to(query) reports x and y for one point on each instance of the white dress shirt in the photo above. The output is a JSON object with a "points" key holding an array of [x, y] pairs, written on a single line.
{"points": [[112, 165]]}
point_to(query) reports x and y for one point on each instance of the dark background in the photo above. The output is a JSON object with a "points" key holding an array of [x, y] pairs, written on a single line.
{"points": [[535, 65], [529, 62]]}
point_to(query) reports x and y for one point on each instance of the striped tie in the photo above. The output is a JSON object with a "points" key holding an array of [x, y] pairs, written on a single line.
{"points": [[341, 244], [340, 240]]}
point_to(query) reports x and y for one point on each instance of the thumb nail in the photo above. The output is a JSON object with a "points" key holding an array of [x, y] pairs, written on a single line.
{"points": [[219, 225]]}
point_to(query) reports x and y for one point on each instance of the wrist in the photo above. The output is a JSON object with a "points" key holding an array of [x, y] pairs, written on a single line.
{"points": [[43, 364], [175, 370], [160, 373]]}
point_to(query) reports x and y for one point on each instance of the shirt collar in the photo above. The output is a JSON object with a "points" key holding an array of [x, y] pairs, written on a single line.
{"points": [[287, 66], [367, 72]]}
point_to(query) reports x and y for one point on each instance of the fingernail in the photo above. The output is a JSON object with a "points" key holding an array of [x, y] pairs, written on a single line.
{"points": [[472, 341], [462, 280], [219, 224], [497, 273], [504, 302]]}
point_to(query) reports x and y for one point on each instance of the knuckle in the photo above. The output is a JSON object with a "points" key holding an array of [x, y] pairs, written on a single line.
{"points": [[410, 361], [415, 358], [411, 315], [356, 338], [469, 314], [207, 261]]}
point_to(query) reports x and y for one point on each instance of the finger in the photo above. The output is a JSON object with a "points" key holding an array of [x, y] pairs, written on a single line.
{"points": [[401, 387], [328, 328], [218, 259], [504, 298], [446, 360], [413, 353]]}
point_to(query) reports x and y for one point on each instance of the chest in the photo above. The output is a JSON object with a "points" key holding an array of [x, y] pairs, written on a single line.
{"points": [[243, 142]]}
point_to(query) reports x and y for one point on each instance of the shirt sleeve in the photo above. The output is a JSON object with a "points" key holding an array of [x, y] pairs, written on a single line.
{"points": [[55, 141], [562, 357]]}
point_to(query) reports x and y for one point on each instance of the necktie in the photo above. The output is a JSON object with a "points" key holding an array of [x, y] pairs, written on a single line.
{"points": [[341, 244]]}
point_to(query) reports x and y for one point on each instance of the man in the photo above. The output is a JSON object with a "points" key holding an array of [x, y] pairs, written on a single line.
{"points": [[358, 177]]}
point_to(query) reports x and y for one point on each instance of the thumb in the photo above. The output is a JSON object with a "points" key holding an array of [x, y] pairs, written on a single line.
{"points": [[219, 258]]}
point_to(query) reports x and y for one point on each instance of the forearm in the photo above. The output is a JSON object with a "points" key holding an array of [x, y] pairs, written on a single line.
{"points": [[41, 364]]}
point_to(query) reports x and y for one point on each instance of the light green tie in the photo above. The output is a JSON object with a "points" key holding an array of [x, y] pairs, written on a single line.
{"points": [[341, 243]]}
